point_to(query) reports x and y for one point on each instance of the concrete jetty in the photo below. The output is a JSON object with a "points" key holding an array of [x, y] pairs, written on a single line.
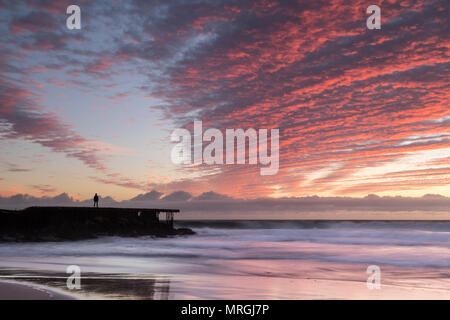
{"points": [[76, 223]]}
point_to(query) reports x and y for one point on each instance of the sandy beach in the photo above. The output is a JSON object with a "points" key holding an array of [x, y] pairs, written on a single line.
{"points": [[310, 287], [12, 290]]}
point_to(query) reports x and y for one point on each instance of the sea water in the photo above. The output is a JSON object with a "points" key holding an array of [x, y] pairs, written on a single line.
{"points": [[260, 259]]}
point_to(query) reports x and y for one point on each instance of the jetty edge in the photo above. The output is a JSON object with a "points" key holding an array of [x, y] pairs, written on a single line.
{"points": [[35, 224]]}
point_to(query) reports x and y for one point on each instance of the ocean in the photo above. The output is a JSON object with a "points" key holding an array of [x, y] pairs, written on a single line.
{"points": [[245, 259]]}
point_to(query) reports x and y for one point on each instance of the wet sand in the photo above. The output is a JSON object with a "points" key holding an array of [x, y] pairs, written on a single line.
{"points": [[11, 290], [44, 285], [314, 281]]}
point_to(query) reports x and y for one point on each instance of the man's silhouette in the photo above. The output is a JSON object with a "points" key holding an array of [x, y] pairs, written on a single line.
{"points": [[96, 201]]}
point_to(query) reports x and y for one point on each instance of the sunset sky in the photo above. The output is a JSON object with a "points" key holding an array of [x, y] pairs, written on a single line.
{"points": [[359, 111]]}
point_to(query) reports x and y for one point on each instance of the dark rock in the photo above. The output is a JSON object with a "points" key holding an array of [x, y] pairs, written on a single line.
{"points": [[76, 223]]}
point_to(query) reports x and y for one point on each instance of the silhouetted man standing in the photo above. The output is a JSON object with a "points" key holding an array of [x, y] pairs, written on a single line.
{"points": [[96, 201]]}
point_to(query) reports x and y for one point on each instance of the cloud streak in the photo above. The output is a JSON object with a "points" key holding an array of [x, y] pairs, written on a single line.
{"points": [[20, 109]]}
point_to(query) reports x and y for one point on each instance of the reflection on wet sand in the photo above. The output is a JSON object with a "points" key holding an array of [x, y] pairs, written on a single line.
{"points": [[98, 285]]}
